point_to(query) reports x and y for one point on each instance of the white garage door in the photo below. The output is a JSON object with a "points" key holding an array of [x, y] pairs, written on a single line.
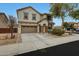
{"points": [[29, 29]]}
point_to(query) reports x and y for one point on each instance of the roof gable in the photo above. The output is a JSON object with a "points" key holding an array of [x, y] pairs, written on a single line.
{"points": [[3, 20], [5, 17], [27, 8]]}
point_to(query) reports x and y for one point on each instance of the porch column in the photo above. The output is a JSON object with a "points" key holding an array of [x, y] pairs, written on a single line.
{"points": [[44, 29]]}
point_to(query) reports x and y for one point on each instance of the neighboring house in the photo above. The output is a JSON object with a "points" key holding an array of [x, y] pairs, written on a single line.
{"points": [[76, 24], [31, 21], [4, 24]]}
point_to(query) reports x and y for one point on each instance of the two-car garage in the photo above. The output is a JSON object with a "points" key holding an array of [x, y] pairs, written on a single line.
{"points": [[33, 29], [28, 29]]}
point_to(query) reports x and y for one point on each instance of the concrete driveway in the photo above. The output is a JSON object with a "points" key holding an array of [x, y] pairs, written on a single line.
{"points": [[35, 41]]}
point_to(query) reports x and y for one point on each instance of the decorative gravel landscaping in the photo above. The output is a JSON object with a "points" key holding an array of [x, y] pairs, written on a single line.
{"points": [[6, 39]]}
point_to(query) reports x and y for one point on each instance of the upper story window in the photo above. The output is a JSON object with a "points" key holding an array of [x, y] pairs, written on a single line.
{"points": [[33, 16], [25, 15]]}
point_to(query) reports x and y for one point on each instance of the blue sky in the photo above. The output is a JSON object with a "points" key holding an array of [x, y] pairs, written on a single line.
{"points": [[10, 9]]}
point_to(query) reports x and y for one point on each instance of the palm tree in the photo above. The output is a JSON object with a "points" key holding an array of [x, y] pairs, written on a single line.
{"points": [[61, 10], [74, 14], [11, 25]]}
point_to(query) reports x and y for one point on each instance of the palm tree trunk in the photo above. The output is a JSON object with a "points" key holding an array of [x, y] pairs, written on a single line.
{"points": [[62, 21]]}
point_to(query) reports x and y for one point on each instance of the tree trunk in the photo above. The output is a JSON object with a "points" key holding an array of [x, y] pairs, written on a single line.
{"points": [[11, 32], [62, 21]]}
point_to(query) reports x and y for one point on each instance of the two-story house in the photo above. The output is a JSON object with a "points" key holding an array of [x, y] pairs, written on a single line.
{"points": [[31, 21]]}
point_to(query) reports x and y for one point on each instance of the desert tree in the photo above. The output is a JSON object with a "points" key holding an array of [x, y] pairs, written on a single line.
{"points": [[61, 10], [12, 21]]}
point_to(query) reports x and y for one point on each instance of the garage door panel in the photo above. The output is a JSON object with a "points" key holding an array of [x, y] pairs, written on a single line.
{"points": [[29, 29]]}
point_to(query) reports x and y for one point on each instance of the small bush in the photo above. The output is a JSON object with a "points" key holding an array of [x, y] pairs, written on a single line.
{"points": [[66, 25], [58, 32]]}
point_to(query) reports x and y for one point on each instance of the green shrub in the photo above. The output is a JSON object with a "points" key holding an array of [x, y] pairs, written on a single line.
{"points": [[66, 25], [58, 32]]}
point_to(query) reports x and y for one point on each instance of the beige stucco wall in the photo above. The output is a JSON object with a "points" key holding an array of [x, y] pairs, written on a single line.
{"points": [[44, 22], [44, 16], [27, 24], [30, 11]]}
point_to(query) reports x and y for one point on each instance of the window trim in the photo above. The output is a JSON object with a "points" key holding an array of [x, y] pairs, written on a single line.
{"points": [[25, 17], [33, 16]]}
